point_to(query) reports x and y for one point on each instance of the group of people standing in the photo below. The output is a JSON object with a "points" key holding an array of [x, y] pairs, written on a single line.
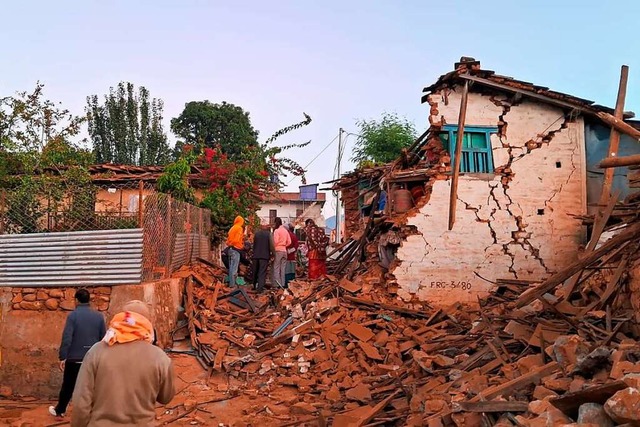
{"points": [[279, 247]]}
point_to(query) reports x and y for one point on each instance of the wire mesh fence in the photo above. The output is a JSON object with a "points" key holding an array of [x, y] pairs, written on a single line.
{"points": [[40, 207], [175, 232]]}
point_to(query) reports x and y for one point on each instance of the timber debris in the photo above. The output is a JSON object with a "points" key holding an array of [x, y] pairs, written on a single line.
{"points": [[527, 355]]}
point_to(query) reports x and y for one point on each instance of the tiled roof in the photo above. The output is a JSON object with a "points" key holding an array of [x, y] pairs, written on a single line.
{"points": [[472, 67]]}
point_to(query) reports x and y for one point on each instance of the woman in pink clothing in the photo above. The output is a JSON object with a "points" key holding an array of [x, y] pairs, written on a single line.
{"points": [[281, 240]]}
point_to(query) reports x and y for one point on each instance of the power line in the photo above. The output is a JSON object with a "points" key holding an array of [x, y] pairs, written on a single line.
{"points": [[316, 157]]}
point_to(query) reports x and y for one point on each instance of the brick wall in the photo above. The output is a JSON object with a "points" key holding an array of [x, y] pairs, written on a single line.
{"points": [[516, 223]]}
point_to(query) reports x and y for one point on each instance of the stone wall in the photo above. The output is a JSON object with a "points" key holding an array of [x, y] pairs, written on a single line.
{"points": [[164, 298], [516, 223], [52, 299], [30, 333]]}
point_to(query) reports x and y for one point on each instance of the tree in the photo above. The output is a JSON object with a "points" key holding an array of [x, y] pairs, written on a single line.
{"points": [[31, 125], [127, 128], [233, 186], [382, 141], [42, 169], [203, 124]]}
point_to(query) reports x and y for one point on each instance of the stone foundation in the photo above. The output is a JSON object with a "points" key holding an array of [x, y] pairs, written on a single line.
{"points": [[32, 320], [62, 299]]}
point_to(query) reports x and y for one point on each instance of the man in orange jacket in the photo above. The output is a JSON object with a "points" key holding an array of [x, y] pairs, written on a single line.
{"points": [[235, 242]]}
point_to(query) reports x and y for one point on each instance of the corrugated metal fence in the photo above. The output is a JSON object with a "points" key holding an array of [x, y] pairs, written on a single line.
{"points": [[77, 258], [170, 234], [187, 248]]}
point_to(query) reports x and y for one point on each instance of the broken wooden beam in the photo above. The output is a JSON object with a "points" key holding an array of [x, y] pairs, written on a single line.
{"points": [[616, 162], [384, 306], [370, 414], [570, 402], [531, 377], [491, 406], [614, 137], [453, 198], [619, 124], [301, 328], [631, 232]]}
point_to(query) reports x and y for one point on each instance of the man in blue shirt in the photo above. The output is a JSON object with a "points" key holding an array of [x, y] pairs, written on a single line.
{"points": [[84, 328]]}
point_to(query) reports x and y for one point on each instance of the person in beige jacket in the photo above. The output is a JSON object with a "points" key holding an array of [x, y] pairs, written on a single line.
{"points": [[124, 375]]}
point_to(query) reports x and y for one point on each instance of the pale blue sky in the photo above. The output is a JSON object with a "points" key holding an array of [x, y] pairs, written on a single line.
{"points": [[335, 60]]}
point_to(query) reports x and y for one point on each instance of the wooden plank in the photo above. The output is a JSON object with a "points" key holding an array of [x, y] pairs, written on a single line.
{"points": [[619, 124], [632, 232], [570, 402], [303, 327], [532, 377], [216, 291], [217, 362], [370, 414], [453, 198], [318, 295], [611, 287], [390, 307], [515, 384], [190, 312], [491, 406], [614, 137], [602, 217], [614, 162]]}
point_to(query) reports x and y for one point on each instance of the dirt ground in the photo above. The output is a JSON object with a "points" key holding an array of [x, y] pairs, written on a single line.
{"points": [[200, 400]]}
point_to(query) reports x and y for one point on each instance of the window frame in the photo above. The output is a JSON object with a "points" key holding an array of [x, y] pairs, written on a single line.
{"points": [[486, 130]]}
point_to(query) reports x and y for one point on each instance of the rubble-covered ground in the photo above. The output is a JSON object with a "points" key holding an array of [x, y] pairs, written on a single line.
{"points": [[350, 353]]}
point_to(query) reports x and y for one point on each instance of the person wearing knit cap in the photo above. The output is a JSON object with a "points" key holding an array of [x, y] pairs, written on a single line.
{"points": [[124, 375], [84, 327]]}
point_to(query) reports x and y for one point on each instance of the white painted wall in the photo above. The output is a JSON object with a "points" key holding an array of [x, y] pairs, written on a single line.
{"points": [[287, 211], [444, 266]]}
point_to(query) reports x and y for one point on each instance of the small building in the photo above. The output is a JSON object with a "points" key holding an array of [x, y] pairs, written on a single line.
{"points": [[528, 184], [295, 207]]}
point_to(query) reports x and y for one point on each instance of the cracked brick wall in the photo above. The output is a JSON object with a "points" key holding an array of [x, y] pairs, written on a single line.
{"points": [[516, 223]]}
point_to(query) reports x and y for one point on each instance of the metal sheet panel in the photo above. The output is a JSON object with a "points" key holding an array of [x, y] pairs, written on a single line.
{"points": [[597, 147], [198, 246], [78, 258]]}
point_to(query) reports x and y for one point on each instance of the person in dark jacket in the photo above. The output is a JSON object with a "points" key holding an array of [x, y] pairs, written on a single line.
{"points": [[84, 327], [263, 249]]}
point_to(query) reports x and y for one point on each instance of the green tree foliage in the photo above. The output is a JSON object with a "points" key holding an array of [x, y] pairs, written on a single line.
{"points": [[42, 169], [36, 133], [233, 186], [382, 141], [203, 124], [175, 179], [127, 127]]}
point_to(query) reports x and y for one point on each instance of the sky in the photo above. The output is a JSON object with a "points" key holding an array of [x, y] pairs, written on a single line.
{"points": [[338, 61]]}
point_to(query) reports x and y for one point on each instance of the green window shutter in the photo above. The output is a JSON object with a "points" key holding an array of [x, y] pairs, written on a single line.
{"points": [[477, 156]]}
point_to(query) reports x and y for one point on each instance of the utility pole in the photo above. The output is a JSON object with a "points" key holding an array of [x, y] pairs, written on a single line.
{"points": [[338, 219]]}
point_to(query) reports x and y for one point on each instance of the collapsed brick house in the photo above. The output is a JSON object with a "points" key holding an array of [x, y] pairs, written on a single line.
{"points": [[528, 179]]}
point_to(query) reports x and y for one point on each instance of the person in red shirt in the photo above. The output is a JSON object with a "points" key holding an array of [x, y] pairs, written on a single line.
{"points": [[292, 251]]}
